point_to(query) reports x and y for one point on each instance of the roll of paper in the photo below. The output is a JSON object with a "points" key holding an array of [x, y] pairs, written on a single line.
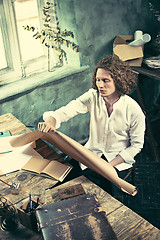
{"points": [[79, 153], [145, 38]]}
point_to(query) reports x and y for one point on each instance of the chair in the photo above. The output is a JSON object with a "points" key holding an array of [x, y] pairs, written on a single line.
{"points": [[132, 173]]}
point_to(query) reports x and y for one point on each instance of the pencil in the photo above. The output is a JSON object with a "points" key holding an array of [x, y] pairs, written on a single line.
{"points": [[5, 182]]}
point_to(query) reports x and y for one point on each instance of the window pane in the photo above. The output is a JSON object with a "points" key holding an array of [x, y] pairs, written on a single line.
{"points": [[3, 63], [27, 14]]}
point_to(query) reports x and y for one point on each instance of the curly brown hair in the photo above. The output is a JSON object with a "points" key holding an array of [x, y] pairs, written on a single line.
{"points": [[124, 78]]}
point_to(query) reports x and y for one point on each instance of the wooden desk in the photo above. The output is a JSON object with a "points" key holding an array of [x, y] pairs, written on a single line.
{"points": [[26, 180], [125, 223]]}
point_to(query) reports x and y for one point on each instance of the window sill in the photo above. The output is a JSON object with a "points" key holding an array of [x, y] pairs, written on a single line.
{"points": [[34, 81]]}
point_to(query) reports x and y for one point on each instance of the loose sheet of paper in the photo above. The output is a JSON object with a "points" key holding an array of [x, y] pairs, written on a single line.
{"points": [[5, 145], [16, 159]]}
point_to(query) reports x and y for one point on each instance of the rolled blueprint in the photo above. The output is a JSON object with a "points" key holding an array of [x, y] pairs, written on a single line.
{"points": [[26, 138], [145, 38], [79, 153]]}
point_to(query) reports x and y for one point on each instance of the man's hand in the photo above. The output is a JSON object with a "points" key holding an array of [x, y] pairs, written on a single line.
{"points": [[48, 125]]}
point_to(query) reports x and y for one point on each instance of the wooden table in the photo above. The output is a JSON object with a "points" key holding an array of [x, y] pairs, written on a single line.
{"points": [[125, 223], [26, 180]]}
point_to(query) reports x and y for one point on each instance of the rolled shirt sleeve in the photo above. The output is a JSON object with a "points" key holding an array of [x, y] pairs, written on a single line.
{"points": [[73, 108]]}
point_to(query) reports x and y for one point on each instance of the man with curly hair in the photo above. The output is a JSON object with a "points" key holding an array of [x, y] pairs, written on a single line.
{"points": [[117, 123]]}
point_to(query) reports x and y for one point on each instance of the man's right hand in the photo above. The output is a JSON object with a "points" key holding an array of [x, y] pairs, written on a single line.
{"points": [[48, 125]]}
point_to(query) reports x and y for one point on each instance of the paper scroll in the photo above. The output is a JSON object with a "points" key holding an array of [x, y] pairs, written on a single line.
{"points": [[79, 153], [140, 38]]}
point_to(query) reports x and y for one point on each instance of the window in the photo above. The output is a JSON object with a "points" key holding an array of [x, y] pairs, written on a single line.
{"points": [[3, 63], [21, 54], [27, 13]]}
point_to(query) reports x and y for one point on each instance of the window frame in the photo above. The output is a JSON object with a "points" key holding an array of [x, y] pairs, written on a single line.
{"points": [[9, 36], [15, 68]]}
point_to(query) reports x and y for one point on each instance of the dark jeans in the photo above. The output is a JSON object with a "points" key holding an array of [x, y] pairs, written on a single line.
{"points": [[95, 177]]}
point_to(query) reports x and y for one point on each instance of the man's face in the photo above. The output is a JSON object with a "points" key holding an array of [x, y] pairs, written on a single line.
{"points": [[105, 83]]}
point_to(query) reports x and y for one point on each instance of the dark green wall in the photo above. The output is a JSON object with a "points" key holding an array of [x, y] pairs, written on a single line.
{"points": [[96, 23]]}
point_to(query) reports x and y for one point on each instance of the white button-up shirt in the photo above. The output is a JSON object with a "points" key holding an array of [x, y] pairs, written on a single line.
{"points": [[121, 133]]}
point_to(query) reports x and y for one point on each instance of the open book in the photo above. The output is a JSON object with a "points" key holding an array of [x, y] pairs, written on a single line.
{"points": [[26, 158], [47, 168]]}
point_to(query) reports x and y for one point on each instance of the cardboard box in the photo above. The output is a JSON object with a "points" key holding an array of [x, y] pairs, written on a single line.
{"points": [[132, 54]]}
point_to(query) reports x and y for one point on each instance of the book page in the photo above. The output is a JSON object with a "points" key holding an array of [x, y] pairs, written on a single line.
{"points": [[57, 170], [15, 160], [65, 174], [36, 164]]}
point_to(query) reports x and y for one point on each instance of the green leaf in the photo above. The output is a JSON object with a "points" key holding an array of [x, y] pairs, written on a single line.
{"points": [[32, 29], [43, 38], [46, 25], [52, 36]]}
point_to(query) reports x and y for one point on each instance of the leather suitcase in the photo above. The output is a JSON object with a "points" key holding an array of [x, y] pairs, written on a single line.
{"points": [[79, 218]]}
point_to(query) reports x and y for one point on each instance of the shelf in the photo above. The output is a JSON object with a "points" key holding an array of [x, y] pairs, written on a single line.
{"points": [[153, 73]]}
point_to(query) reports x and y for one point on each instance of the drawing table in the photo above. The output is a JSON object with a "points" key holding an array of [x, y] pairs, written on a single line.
{"points": [[125, 223], [27, 180]]}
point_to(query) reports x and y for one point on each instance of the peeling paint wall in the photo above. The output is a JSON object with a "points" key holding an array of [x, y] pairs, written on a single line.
{"points": [[30, 106], [96, 23]]}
